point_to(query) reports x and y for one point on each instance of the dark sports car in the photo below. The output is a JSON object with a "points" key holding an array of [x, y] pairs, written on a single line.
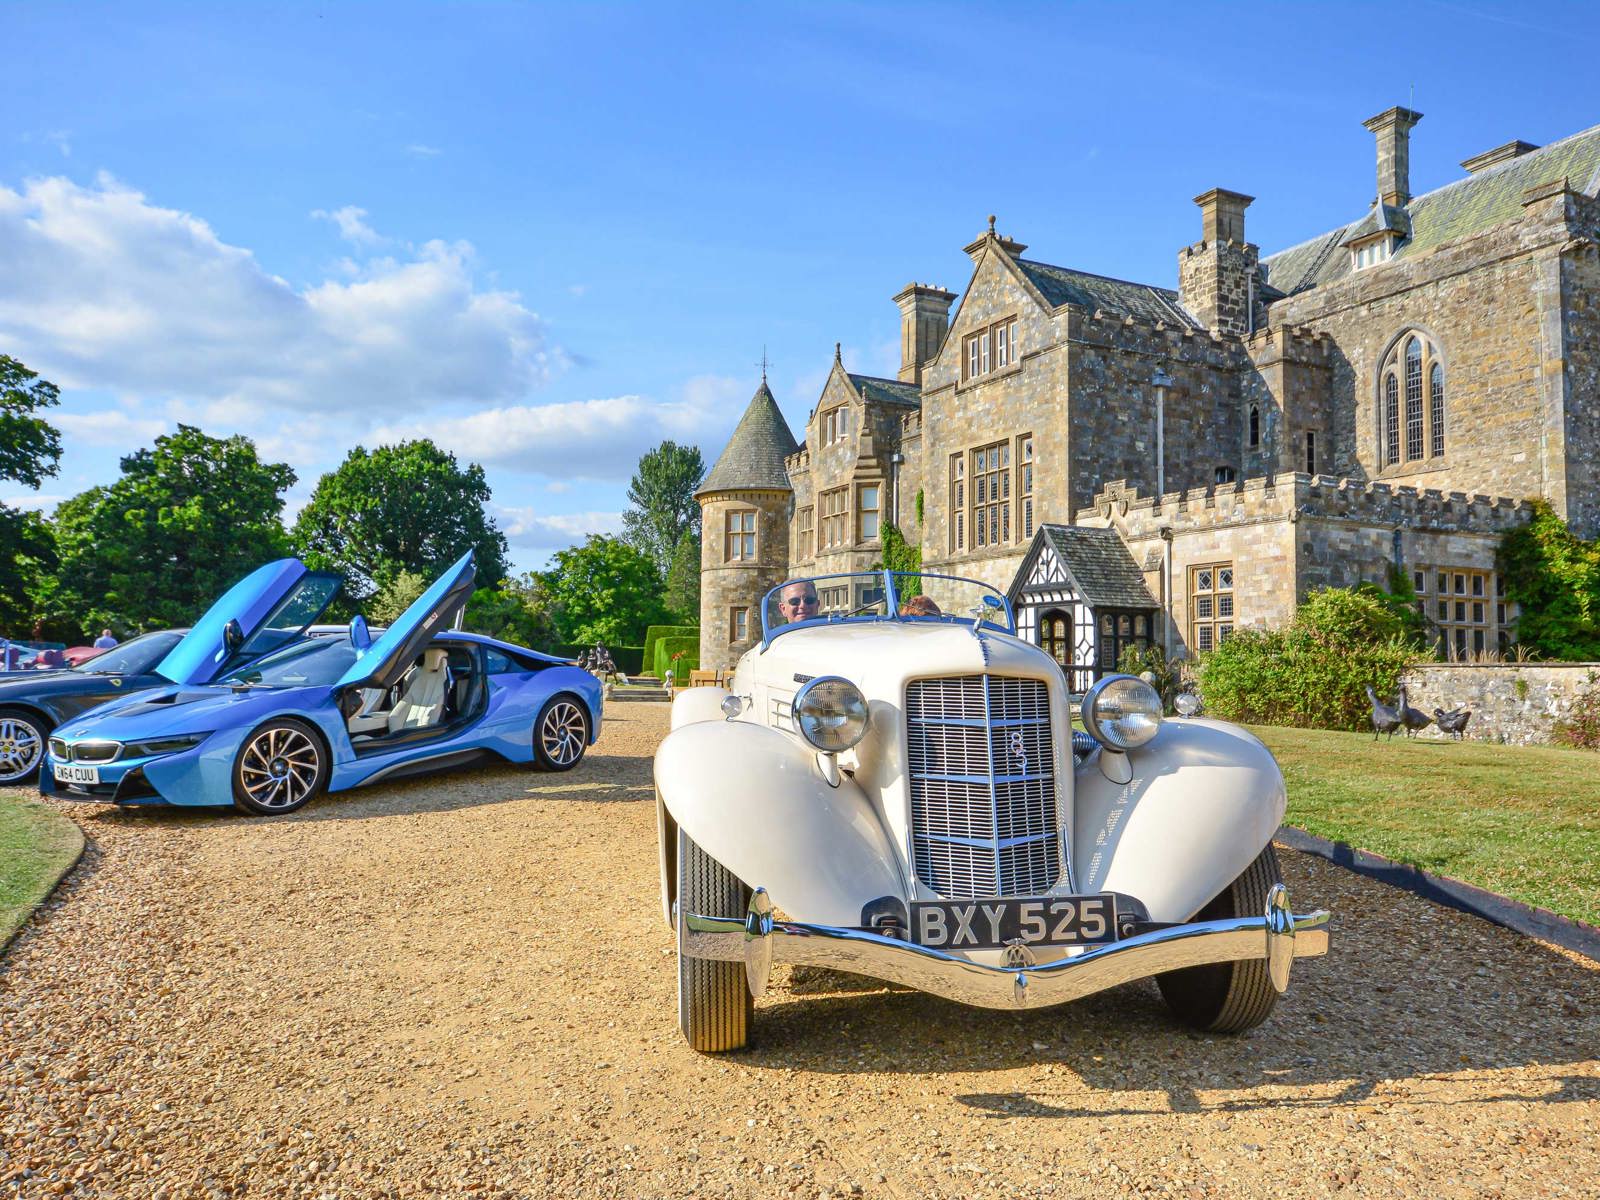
{"points": [[32, 703]]}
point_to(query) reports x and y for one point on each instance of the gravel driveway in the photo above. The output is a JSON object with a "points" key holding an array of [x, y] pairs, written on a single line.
{"points": [[462, 986]]}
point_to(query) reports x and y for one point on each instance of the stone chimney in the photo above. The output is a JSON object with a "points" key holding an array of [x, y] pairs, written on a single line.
{"points": [[1393, 129], [1216, 276], [1500, 154], [924, 318]]}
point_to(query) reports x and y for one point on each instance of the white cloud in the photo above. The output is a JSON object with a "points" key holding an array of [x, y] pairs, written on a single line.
{"points": [[33, 500], [109, 427], [352, 223], [422, 150], [527, 529], [588, 439], [99, 288]]}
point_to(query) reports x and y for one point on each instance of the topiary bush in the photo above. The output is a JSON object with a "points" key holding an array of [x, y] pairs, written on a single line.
{"points": [[655, 633], [688, 651], [1314, 672]]}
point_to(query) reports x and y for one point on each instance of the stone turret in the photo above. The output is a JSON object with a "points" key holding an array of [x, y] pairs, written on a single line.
{"points": [[744, 543]]}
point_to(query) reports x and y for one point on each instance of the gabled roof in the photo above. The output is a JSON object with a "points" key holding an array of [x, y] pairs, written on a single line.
{"points": [[1062, 285], [1097, 562], [753, 457], [1457, 210], [887, 391]]}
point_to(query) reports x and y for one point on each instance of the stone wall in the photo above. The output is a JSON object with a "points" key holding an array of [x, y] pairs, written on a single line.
{"points": [[1296, 532], [1580, 302], [1517, 703], [726, 585], [1491, 305]]}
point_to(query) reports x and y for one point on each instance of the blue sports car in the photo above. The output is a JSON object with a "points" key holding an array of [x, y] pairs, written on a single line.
{"points": [[267, 716]]}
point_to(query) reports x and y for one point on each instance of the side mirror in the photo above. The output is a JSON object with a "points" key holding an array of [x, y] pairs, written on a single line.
{"points": [[360, 635], [232, 637]]}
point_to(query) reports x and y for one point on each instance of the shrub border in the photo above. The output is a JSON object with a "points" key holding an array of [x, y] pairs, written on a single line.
{"points": [[1527, 919]]}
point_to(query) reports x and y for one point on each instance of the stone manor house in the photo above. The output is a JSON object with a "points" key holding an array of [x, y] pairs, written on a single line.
{"points": [[1138, 464]]}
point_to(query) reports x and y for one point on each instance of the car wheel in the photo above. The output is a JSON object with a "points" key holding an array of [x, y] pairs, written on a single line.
{"points": [[22, 741], [561, 733], [280, 767], [715, 1007], [1235, 996]]}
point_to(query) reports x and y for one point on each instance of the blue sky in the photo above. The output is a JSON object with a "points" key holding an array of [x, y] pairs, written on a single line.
{"points": [[549, 236]]}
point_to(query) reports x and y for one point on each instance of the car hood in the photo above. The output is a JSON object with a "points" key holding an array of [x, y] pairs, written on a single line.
{"points": [[20, 683], [878, 656], [171, 710]]}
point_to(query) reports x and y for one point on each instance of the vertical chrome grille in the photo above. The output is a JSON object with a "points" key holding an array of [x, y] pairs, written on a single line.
{"points": [[983, 792]]}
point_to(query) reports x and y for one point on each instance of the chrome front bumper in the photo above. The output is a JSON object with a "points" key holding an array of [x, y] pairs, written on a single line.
{"points": [[758, 940]]}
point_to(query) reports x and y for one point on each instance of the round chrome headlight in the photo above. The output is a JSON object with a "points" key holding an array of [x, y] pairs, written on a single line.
{"points": [[1122, 712], [1187, 704], [831, 713]]}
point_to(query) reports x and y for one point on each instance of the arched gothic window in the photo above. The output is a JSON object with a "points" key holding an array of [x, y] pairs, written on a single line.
{"points": [[1436, 410], [1255, 425], [1411, 360]]}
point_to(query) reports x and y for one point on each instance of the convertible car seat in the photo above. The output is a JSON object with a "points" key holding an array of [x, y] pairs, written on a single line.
{"points": [[422, 702]]}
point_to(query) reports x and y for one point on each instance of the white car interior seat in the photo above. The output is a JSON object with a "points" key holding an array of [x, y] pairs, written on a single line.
{"points": [[422, 702], [371, 716]]}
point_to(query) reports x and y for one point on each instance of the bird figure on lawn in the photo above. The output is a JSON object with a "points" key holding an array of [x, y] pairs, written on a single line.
{"points": [[1454, 722], [1412, 718], [1384, 718]]}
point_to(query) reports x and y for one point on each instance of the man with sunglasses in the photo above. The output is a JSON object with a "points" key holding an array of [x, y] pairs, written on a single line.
{"points": [[797, 602]]}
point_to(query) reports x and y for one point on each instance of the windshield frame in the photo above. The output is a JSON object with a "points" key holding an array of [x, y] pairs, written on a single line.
{"points": [[892, 613]]}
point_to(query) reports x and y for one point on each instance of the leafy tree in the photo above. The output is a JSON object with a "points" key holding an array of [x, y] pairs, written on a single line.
{"points": [[30, 452], [408, 507], [27, 556], [396, 595], [606, 590], [30, 447], [186, 519], [663, 503], [517, 611], [683, 579], [1554, 577]]}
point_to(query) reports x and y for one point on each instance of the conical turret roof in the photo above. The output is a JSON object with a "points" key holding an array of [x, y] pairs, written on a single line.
{"points": [[753, 457]]}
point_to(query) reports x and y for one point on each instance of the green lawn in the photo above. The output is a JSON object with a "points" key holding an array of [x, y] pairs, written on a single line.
{"points": [[37, 845], [1520, 821]]}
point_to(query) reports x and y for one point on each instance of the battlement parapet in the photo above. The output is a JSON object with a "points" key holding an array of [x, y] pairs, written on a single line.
{"points": [[1299, 496], [1175, 339]]}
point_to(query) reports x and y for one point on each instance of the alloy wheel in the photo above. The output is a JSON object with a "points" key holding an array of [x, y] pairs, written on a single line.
{"points": [[21, 748], [562, 733], [279, 768]]}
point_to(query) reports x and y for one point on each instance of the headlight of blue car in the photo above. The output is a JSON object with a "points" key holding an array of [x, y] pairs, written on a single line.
{"points": [[158, 746]]}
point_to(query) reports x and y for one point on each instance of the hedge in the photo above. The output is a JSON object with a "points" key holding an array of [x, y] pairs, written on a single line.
{"points": [[656, 632], [666, 647]]}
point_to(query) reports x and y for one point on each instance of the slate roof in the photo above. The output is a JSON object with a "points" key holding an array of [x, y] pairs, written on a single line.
{"points": [[1062, 285], [1454, 211], [887, 391], [753, 457], [1101, 567]]}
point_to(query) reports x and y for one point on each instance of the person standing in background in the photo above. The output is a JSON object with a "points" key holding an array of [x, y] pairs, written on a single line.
{"points": [[105, 641]]}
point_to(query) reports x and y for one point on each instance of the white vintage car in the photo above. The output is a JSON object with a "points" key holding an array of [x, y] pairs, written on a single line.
{"points": [[892, 786]]}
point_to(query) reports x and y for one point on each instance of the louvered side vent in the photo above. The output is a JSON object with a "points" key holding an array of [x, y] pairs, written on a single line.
{"points": [[983, 791]]}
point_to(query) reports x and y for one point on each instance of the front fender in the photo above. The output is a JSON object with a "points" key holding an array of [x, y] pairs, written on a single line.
{"points": [[754, 799], [1204, 800]]}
